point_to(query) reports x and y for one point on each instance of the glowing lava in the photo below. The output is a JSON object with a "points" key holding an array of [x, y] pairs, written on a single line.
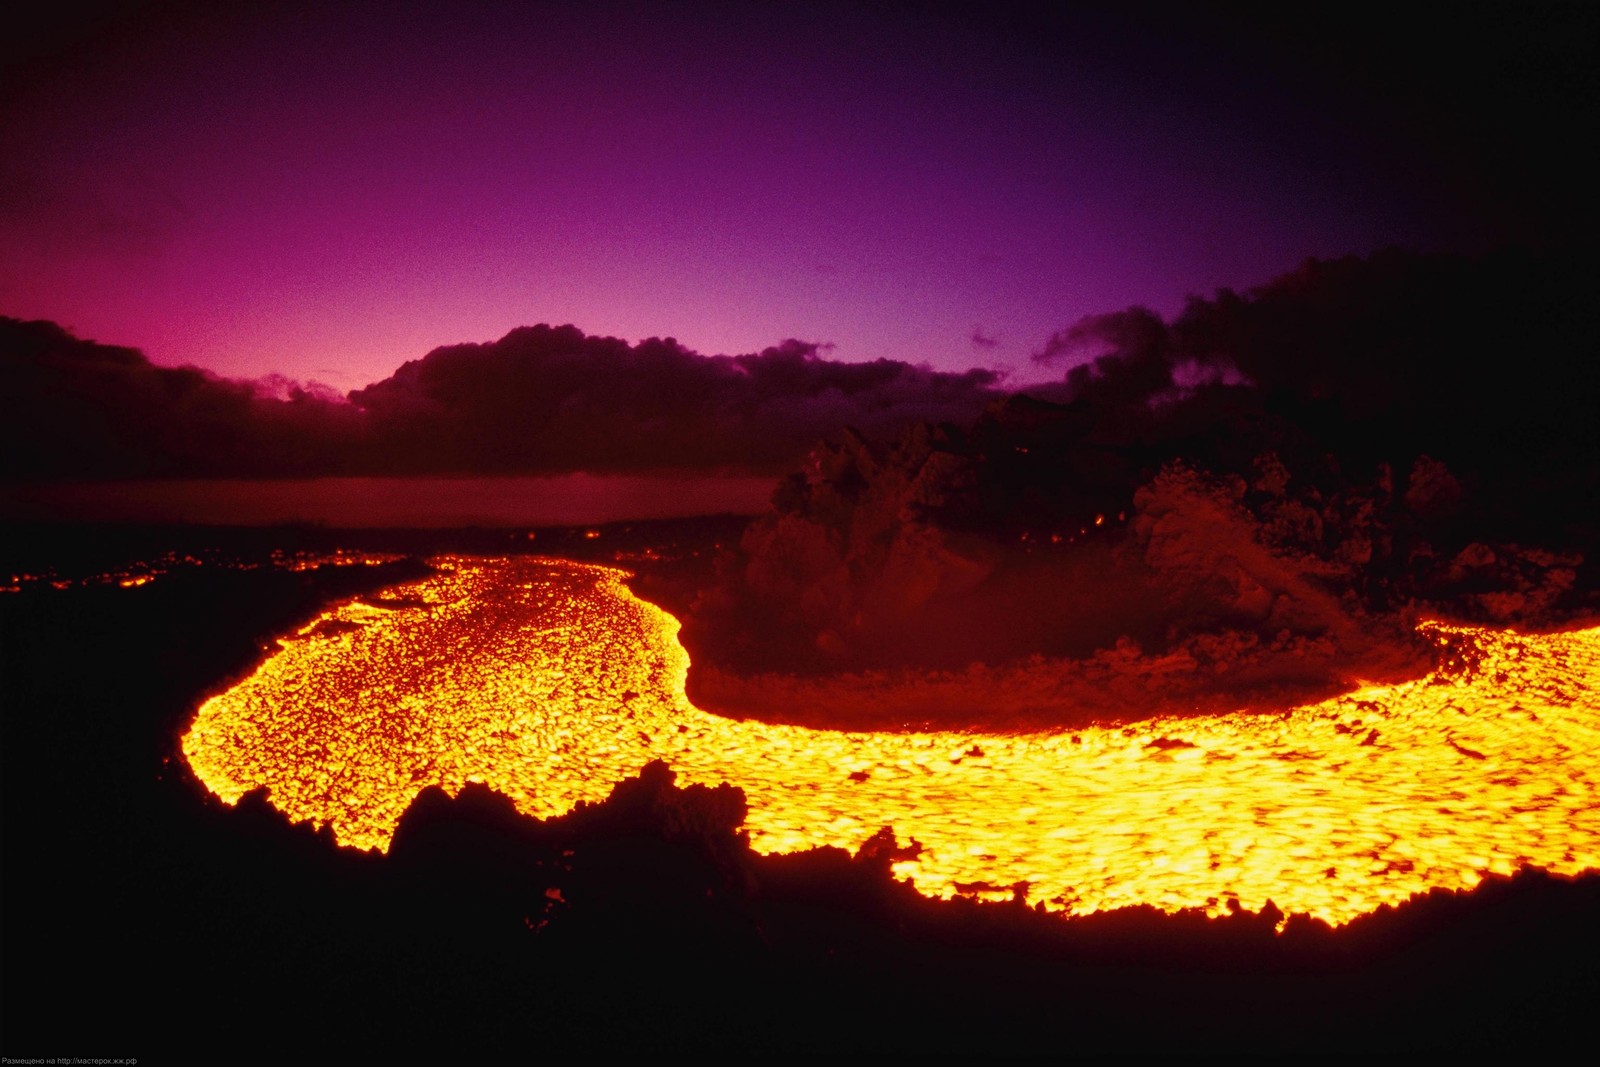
{"points": [[549, 681]]}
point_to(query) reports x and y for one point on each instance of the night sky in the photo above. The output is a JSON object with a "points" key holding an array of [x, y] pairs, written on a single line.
{"points": [[324, 192]]}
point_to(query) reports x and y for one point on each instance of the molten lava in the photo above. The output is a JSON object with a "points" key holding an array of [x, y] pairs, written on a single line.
{"points": [[549, 681]]}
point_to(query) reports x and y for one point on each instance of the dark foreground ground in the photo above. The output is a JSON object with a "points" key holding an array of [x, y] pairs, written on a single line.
{"points": [[141, 918]]}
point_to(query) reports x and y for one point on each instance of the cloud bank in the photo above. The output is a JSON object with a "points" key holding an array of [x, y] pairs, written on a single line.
{"points": [[555, 399], [541, 400]]}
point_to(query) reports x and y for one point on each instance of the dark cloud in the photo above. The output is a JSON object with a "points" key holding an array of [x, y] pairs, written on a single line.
{"points": [[1125, 354], [79, 410], [983, 340], [545, 398], [1485, 364], [540, 400], [1448, 354], [1119, 333]]}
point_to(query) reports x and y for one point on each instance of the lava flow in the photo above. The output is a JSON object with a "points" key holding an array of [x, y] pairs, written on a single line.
{"points": [[549, 681]]}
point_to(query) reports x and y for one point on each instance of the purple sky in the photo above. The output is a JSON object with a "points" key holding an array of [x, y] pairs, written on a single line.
{"points": [[325, 192]]}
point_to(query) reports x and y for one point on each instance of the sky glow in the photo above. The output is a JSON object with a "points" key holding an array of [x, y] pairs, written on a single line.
{"points": [[327, 191]]}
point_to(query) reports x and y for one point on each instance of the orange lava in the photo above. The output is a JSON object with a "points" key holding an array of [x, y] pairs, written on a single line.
{"points": [[549, 681]]}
